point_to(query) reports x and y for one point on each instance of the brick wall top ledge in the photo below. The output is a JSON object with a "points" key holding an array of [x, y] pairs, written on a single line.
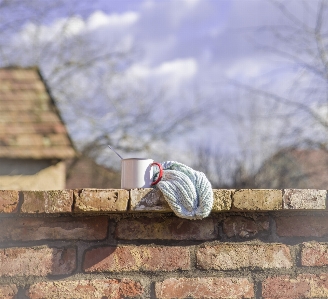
{"points": [[90, 201]]}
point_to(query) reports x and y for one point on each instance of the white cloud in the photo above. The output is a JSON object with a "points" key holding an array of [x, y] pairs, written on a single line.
{"points": [[100, 19], [67, 27], [181, 68], [248, 67], [176, 71], [73, 26], [191, 3]]}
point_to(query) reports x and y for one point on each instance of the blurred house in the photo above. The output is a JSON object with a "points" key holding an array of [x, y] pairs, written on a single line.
{"points": [[83, 172], [33, 139], [295, 168], [36, 152]]}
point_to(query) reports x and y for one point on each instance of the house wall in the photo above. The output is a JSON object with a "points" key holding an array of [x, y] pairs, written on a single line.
{"points": [[113, 243], [86, 173], [31, 175]]}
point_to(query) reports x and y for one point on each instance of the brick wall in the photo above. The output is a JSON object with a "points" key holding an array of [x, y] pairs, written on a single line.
{"points": [[92, 243]]}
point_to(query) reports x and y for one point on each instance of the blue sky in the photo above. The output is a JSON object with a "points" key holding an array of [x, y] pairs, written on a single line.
{"points": [[208, 33], [189, 45]]}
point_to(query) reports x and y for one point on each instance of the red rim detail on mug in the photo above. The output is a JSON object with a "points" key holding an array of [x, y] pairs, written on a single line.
{"points": [[160, 175]]}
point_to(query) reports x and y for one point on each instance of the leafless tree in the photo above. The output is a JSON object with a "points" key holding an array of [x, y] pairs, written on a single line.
{"points": [[223, 170], [89, 80], [300, 44]]}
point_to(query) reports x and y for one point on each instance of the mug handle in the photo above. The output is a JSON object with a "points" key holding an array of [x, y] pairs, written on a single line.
{"points": [[160, 173]]}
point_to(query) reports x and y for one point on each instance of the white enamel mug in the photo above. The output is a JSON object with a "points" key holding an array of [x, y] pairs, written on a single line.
{"points": [[138, 173]]}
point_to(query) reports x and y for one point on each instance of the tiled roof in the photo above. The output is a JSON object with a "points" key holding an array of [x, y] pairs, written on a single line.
{"points": [[30, 125]]}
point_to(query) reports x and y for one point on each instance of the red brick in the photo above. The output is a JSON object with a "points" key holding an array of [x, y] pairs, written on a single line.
{"points": [[8, 291], [37, 261], [172, 228], [136, 258], [284, 287], [314, 254], [56, 201], [101, 200], [245, 227], [8, 201], [303, 286], [205, 287], [86, 289], [234, 256], [302, 226], [58, 228]]}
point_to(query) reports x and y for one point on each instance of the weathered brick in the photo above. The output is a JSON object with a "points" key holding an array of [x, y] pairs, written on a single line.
{"points": [[152, 200], [58, 228], [8, 291], [245, 227], [304, 286], [314, 254], [172, 228], [136, 258], [258, 199], [205, 287], [318, 284], [8, 201], [101, 200], [148, 200], [222, 200], [309, 199], [235, 256], [284, 287], [55, 201], [85, 289], [37, 261], [302, 226]]}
